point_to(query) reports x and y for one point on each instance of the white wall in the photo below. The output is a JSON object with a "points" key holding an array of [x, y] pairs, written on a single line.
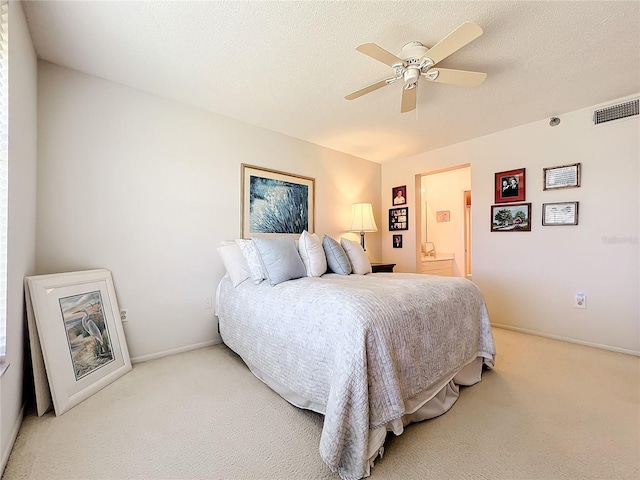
{"points": [[148, 188], [22, 215], [529, 278], [444, 191]]}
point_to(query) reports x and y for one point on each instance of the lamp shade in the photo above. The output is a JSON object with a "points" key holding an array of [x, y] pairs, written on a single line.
{"points": [[362, 218]]}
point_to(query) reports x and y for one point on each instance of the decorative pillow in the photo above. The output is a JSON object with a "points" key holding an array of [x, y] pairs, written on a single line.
{"points": [[234, 261], [312, 254], [280, 258], [248, 249], [357, 256], [337, 259]]}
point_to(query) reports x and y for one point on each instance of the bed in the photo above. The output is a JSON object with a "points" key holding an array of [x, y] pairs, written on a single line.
{"points": [[372, 353]]}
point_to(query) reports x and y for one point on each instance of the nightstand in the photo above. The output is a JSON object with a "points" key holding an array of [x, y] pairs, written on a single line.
{"points": [[382, 267]]}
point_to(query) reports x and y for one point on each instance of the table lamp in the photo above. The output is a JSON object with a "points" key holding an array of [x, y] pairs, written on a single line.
{"points": [[362, 220]]}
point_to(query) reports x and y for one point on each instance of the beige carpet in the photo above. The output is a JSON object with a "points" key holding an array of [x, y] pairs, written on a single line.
{"points": [[549, 410]]}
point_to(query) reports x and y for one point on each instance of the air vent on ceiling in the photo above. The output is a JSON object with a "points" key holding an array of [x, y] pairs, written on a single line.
{"points": [[615, 112]]}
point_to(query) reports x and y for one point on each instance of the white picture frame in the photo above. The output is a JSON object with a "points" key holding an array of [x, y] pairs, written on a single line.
{"points": [[80, 334]]}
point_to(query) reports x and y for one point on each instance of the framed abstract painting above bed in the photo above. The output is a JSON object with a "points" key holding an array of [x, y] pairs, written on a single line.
{"points": [[275, 202]]}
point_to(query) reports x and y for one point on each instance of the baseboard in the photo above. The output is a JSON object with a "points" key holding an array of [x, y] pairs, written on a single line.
{"points": [[174, 351], [12, 439], [570, 340]]}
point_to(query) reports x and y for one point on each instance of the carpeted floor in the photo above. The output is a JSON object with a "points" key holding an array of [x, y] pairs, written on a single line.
{"points": [[549, 410]]}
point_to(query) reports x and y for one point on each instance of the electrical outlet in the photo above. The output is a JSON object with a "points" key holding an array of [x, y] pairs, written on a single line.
{"points": [[124, 315], [208, 302], [580, 300]]}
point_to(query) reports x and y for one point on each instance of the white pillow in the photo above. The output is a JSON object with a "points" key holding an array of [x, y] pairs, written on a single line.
{"points": [[280, 258], [248, 249], [357, 256], [312, 254], [234, 261], [337, 259]]}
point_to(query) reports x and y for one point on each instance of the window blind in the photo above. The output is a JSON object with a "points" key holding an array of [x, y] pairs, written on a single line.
{"points": [[4, 167]]}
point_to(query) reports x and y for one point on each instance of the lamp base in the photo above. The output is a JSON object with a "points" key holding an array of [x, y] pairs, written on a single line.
{"points": [[362, 241]]}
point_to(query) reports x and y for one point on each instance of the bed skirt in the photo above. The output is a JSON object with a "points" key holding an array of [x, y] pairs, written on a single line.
{"points": [[428, 404]]}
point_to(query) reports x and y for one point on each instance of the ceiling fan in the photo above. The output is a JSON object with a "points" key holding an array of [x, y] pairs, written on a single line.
{"points": [[416, 60]]}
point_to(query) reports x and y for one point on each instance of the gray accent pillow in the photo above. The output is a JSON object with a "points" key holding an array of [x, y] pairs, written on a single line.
{"points": [[337, 259], [280, 258]]}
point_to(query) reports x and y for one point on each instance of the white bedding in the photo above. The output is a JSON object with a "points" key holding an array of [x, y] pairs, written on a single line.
{"points": [[357, 348]]}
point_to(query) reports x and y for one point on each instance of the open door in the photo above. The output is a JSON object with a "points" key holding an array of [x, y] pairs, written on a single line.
{"points": [[467, 234]]}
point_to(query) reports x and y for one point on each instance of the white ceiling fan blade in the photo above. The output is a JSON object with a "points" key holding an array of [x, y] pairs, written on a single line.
{"points": [[379, 53], [463, 78], [409, 98], [461, 36], [371, 88]]}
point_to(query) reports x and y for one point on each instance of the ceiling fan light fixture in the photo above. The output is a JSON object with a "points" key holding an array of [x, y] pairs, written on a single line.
{"points": [[411, 75], [415, 60]]}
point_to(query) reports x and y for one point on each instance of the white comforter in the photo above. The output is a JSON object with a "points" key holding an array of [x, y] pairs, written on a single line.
{"points": [[356, 347]]}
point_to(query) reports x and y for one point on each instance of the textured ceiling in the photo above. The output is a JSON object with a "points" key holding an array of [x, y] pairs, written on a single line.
{"points": [[286, 66]]}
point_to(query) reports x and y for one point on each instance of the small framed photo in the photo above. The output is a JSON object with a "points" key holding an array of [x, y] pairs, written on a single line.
{"points": [[563, 213], [510, 186], [397, 241], [564, 176], [399, 195], [399, 219], [511, 218], [80, 332], [443, 216]]}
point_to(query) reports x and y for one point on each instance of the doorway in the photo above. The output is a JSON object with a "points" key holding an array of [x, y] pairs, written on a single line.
{"points": [[444, 216]]}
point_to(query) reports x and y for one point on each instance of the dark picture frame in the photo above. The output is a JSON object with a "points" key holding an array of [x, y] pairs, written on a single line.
{"points": [[560, 213], [397, 241], [286, 202], [511, 218], [398, 219], [563, 176], [510, 186], [399, 195]]}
